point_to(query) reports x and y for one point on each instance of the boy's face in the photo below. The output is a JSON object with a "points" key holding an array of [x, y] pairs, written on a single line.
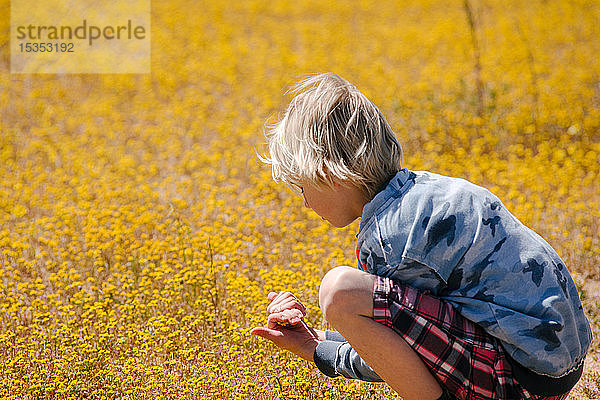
{"points": [[340, 205]]}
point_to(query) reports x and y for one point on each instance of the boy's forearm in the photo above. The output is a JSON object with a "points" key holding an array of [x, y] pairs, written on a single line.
{"points": [[337, 358], [321, 335], [308, 350], [334, 336], [334, 356]]}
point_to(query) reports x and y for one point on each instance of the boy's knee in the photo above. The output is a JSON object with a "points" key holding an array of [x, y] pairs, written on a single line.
{"points": [[345, 291]]}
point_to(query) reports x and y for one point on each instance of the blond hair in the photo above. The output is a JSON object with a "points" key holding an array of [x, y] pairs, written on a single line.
{"points": [[331, 132]]}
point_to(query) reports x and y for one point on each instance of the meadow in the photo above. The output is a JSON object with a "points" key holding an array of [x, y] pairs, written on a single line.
{"points": [[140, 233]]}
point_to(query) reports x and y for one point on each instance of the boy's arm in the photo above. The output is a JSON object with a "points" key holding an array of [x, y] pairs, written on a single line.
{"points": [[334, 336], [335, 358], [296, 337], [330, 351]]}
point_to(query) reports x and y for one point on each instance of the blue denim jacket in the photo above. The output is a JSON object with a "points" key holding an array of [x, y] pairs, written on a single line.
{"points": [[458, 241]]}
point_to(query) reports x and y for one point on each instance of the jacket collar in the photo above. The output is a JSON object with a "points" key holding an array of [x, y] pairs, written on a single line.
{"points": [[396, 185]]}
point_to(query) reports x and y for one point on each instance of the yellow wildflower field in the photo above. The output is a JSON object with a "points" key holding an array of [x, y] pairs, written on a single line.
{"points": [[140, 233]]}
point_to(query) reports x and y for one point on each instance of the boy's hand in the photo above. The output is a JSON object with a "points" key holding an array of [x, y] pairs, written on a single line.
{"points": [[297, 338], [285, 301], [285, 318], [285, 327]]}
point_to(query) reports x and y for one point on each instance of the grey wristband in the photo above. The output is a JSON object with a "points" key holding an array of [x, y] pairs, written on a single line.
{"points": [[324, 357], [334, 336]]}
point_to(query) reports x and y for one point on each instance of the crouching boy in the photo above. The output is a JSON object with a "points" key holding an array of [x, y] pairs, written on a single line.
{"points": [[453, 298]]}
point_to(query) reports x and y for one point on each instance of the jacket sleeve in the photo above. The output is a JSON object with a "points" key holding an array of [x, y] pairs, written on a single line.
{"points": [[335, 358]]}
